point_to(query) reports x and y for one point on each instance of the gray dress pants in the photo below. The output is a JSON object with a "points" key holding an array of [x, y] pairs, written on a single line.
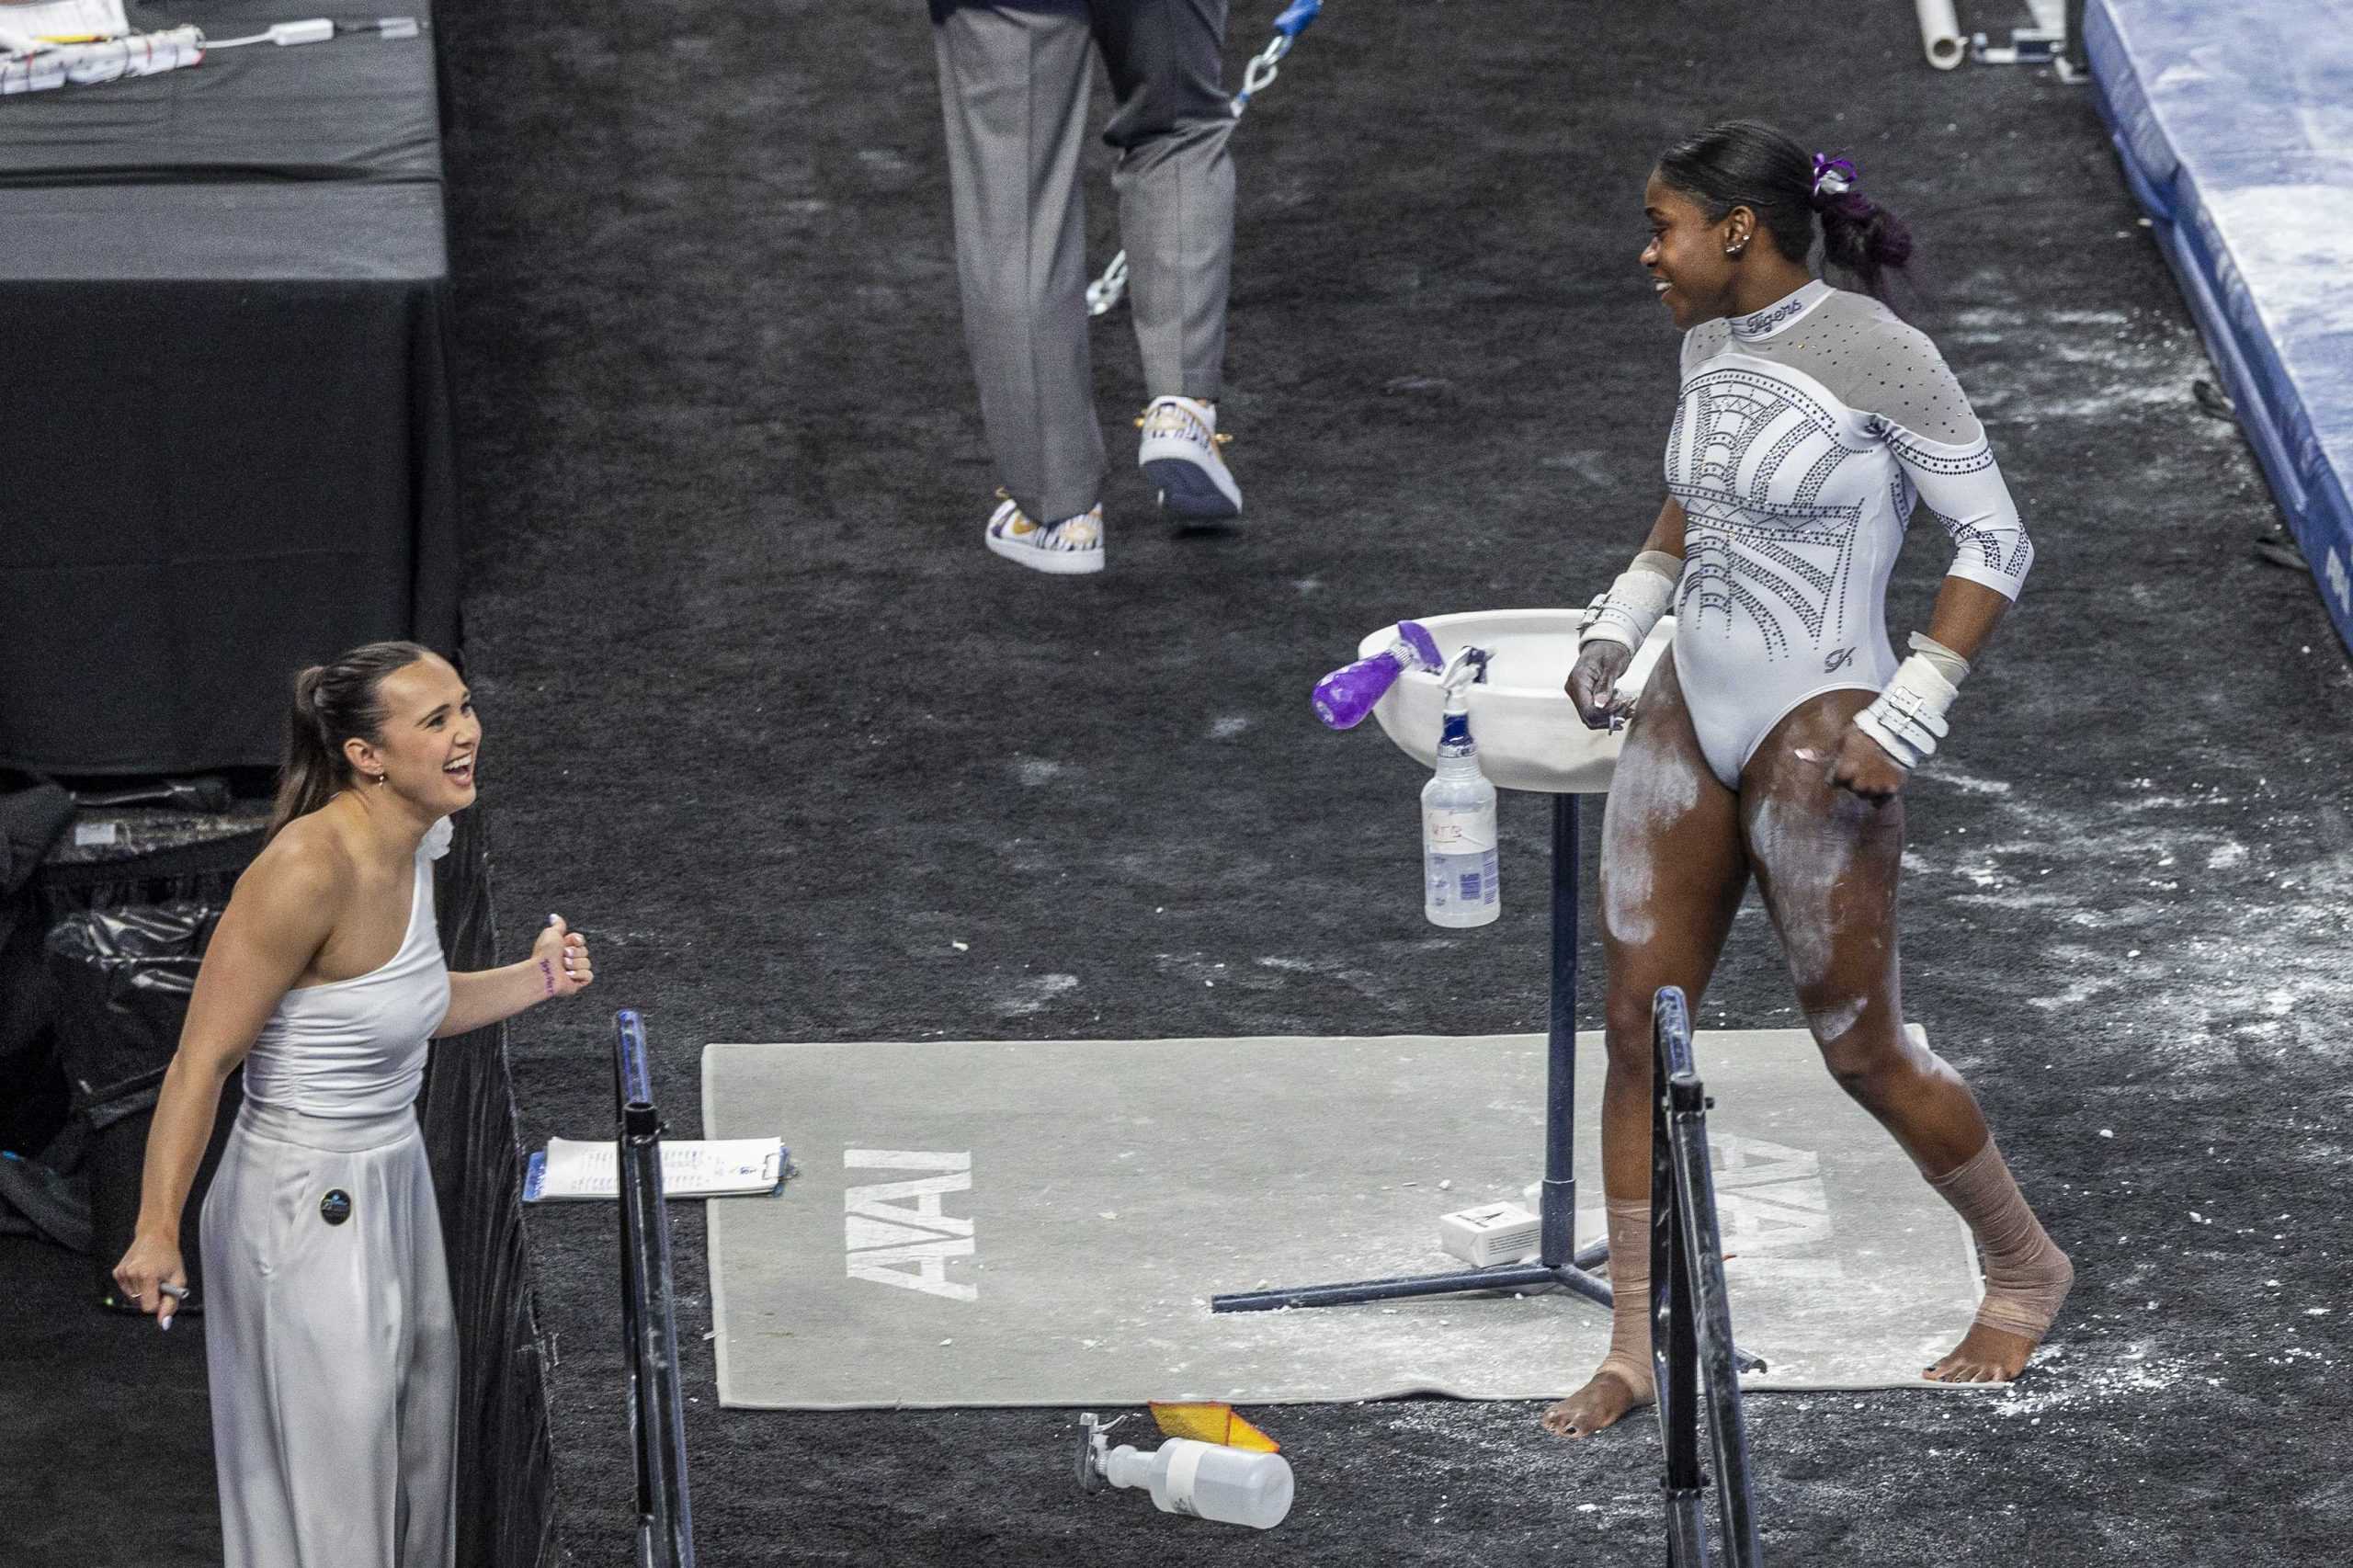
{"points": [[1013, 84], [330, 1345]]}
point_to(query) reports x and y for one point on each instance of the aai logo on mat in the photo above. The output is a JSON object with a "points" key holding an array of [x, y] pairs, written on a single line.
{"points": [[1770, 1203], [894, 1232]]}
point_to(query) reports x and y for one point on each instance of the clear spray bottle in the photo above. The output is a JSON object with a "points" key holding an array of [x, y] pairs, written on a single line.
{"points": [[1458, 833]]}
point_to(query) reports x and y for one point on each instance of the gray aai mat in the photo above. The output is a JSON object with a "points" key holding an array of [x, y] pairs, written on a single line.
{"points": [[1043, 1222]]}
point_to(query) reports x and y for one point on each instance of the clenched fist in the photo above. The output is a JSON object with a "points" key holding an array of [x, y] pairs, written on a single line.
{"points": [[152, 1275], [562, 954], [1862, 768]]}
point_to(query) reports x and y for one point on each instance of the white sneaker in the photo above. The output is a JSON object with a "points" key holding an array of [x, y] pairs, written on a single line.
{"points": [[1072, 546], [1179, 456]]}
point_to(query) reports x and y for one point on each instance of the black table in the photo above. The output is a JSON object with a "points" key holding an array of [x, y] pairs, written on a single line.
{"points": [[224, 402]]}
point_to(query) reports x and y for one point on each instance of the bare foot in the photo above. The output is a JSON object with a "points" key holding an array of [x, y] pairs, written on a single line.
{"points": [[1600, 1403], [2025, 1302], [1986, 1355]]}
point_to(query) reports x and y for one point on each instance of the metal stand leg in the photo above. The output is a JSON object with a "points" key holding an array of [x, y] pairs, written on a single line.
{"points": [[1557, 1262]]}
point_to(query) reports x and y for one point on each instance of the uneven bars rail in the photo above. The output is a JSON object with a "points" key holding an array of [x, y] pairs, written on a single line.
{"points": [[1694, 1360], [666, 1536]]}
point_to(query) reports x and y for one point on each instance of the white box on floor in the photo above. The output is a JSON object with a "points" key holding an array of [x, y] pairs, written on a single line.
{"points": [[1490, 1234]]}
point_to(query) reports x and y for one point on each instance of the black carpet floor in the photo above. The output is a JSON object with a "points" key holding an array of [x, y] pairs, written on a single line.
{"points": [[108, 1440], [767, 722]]}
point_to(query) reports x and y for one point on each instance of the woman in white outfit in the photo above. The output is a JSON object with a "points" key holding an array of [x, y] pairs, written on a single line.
{"points": [[332, 1351]]}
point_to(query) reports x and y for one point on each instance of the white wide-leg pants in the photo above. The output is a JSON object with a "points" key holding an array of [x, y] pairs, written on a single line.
{"points": [[331, 1345]]}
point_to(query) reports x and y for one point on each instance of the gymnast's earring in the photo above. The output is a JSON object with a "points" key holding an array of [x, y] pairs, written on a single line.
{"points": [[1733, 249]]}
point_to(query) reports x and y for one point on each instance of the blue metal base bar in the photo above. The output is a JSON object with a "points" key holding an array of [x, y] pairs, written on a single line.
{"points": [[1520, 1277]]}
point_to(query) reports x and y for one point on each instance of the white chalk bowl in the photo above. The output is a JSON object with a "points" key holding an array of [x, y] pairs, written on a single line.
{"points": [[1529, 733]]}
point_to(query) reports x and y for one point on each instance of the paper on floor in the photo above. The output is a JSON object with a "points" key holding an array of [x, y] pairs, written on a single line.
{"points": [[728, 1167]]}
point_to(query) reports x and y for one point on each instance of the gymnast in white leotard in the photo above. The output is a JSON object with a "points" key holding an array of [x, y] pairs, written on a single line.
{"points": [[1804, 433], [1773, 738]]}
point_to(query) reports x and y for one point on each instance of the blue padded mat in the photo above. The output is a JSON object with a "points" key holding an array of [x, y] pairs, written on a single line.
{"points": [[2234, 124]]}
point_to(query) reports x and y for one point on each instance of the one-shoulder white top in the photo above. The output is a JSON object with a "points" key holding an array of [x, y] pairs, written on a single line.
{"points": [[355, 1048]]}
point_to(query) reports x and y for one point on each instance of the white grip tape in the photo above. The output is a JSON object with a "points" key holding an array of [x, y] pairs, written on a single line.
{"points": [[1908, 718], [1628, 611]]}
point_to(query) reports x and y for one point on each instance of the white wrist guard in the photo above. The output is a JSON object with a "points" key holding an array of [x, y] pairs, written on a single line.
{"points": [[1642, 592], [1908, 718], [1950, 665]]}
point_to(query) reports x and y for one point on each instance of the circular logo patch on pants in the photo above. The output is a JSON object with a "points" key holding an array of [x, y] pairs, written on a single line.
{"points": [[335, 1206]]}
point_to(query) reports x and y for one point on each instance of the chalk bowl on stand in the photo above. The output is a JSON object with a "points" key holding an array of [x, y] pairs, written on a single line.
{"points": [[1529, 733]]}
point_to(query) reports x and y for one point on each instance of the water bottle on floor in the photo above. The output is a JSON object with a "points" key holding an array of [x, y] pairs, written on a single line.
{"points": [[1207, 1481], [1458, 832]]}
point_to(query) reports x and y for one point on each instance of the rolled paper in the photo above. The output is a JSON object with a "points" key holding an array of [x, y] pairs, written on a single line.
{"points": [[1342, 698]]}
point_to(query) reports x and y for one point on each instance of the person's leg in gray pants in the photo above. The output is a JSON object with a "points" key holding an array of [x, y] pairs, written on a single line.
{"points": [[1175, 183], [1013, 88], [1012, 83]]}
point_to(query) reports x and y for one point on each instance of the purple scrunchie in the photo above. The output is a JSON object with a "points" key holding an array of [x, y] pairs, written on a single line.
{"points": [[1832, 177]]}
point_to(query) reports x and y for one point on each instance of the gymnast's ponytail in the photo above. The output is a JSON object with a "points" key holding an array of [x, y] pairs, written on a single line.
{"points": [[1745, 163], [333, 703], [1858, 233]]}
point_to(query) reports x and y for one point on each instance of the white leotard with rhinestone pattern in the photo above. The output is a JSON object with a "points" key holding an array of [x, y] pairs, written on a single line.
{"points": [[1802, 437]]}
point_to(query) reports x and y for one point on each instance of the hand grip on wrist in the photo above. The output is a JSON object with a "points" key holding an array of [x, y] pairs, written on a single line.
{"points": [[1636, 602], [1908, 720]]}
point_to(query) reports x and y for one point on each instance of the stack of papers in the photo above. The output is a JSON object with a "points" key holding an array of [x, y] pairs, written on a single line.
{"points": [[719, 1167]]}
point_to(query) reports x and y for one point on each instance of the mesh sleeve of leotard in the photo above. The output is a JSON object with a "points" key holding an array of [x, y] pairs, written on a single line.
{"points": [[1963, 485], [1925, 420], [1887, 370]]}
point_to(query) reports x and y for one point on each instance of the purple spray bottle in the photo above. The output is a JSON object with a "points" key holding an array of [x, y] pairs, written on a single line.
{"points": [[1342, 698]]}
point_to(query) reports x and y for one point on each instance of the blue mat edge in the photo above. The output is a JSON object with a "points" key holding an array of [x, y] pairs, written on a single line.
{"points": [[2312, 493]]}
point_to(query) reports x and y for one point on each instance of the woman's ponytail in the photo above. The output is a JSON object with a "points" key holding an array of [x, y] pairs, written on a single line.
{"points": [[1745, 163], [333, 703], [1858, 233]]}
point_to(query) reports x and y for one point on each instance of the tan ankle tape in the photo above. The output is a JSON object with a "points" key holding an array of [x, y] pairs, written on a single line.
{"points": [[1630, 1284], [2026, 1277]]}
